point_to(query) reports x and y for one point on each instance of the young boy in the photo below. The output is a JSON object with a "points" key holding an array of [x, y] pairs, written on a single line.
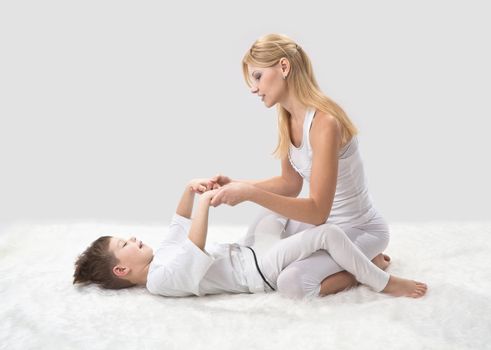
{"points": [[182, 267]]}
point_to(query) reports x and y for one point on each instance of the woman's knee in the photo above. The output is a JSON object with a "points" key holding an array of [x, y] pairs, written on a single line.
{"points": [[370, 240], [379, 229], [382, 241]]}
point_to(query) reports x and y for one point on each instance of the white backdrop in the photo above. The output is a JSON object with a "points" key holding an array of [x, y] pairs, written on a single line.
{"points": [[107, 108]]}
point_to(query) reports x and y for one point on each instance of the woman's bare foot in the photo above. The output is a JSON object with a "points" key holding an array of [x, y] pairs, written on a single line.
{"points": [[382, 261], [401, 287]]}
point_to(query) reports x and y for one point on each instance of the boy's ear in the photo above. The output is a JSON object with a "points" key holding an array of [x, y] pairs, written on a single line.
{"points": [[120, 270]]}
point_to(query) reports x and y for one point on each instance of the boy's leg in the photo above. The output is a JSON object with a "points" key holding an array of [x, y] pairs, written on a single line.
{"points": [[267, 231], [327, 237], [371, 239], [269, 222], [320, 274]]}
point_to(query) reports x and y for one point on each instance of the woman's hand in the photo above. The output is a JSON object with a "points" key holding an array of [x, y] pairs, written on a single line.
{"points": [[218, 181], [233, 193]]}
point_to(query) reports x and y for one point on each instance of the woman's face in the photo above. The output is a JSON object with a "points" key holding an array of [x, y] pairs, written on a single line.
{"points": [[268, 84]]}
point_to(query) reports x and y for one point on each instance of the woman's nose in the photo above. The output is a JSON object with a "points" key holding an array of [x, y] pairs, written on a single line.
{"points": [[254, 89]]}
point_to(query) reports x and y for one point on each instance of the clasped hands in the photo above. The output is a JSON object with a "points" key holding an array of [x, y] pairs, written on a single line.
{"points": [[221, 189]]}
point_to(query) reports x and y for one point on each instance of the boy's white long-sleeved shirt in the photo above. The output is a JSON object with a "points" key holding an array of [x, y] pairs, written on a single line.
{"points": [[179, 268]]}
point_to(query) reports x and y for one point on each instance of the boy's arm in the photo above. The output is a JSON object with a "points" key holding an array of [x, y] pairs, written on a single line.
{"points": [[199, 225], [185, 206]]}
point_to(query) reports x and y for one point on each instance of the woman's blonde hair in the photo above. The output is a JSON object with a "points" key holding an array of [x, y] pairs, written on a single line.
{"points": [[267, 52]]}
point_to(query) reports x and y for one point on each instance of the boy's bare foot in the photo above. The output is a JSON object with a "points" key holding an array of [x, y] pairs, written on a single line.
{"points": [[382, 261], [401, 287]]}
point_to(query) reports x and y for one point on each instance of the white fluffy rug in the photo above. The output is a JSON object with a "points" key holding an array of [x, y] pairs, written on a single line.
{"points": [[41, 309]]}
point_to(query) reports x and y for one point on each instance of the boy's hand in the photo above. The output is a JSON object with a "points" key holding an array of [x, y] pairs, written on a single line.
{"points": [[218, 181], [199, 185], [207, 196]]}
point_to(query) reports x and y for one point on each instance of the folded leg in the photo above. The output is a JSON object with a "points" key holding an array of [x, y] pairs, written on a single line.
{"points": [[331, 239], [313, 276]]}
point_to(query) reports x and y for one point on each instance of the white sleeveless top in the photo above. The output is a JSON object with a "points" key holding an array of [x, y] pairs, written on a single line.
{"points": [[352, 204]]}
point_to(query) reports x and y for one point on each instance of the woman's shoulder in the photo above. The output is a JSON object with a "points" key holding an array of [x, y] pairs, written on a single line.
{"points": [[326, 120], [325, 125]]}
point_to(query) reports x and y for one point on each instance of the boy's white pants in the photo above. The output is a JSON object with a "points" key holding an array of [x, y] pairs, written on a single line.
{"points": [[329, 237], [304, 278]]}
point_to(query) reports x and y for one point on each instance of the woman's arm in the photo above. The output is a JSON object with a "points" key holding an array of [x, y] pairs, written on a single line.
{"points": [[325, 138], [289, 183]]}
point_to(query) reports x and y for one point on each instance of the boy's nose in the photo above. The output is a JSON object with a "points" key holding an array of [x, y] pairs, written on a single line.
{"points": [[133, 239]]}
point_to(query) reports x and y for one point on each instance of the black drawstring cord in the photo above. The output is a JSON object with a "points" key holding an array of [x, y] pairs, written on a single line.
{"points": [[258, 269]]}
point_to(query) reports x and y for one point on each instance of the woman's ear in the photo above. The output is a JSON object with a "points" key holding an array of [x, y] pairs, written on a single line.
{"points": [[284, 66], [120, 270]]}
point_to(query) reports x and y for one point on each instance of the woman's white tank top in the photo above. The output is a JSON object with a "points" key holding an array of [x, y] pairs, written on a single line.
{"points": [[352, 204]]}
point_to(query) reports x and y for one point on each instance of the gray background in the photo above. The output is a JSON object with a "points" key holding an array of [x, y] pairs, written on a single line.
{"points": [[108, 107]]}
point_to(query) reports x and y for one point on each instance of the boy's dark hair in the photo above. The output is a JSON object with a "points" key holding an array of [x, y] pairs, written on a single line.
{"points": [[95, 265]]}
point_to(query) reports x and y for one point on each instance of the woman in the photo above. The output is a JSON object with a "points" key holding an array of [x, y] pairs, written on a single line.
{"points": [[318, 144]]}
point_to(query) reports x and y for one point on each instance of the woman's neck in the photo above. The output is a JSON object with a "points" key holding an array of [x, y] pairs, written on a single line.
{"points": [[296, 109]]}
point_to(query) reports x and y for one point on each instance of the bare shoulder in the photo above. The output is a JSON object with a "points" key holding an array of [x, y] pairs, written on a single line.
{"points": [[325, 126]]}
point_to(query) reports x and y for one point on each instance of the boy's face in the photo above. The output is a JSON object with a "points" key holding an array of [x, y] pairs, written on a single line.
{"points": [[131, 253]]}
